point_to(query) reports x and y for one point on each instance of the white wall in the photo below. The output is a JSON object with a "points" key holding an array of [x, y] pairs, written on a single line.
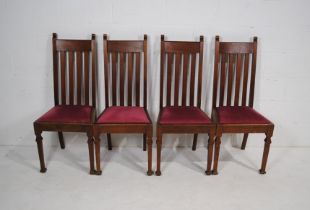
{"points": [[282, 26]]}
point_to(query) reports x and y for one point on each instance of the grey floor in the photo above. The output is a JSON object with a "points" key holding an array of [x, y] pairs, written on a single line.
{"points": [[183, 185]]}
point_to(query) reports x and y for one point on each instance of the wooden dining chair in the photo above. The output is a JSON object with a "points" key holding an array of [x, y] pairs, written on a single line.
{"points": [[74, 68], [125, 64], [233, 96], [180, 106]]}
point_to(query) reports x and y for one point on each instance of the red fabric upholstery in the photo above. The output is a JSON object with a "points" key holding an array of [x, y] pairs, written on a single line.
{"points": [[240, 115], [183, 115], [67, 114], [123, 115]]}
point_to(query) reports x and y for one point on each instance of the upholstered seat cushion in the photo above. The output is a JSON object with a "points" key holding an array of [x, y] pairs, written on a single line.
{"points": [[123, 115], [183, 115], [67, 114], [240, 115]]}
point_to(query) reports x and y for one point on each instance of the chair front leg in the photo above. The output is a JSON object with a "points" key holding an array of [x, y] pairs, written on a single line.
{"points": [[195, 142], [40, 151], [90, 142], [210, 153], [216, 153], [61, 140], [149, 153], [244, 141], [159, 143], [97, 153], [266, 152]]}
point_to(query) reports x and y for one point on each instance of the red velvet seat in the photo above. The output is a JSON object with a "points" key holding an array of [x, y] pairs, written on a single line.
{"points": [[240, 115], [67, 114], [123, 115], [183, 115]]}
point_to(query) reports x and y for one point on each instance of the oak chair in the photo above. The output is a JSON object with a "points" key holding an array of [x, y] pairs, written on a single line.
{"points": [[181, 112], [74, 72], [233, 96], [125, 64]]}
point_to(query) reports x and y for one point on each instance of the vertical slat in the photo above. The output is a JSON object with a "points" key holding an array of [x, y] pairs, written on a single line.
{"points": [[79, 76], [200, 72], [223, 78], [238, 75], [94, 69], [185, 70], [145, 71], [230, 78], [55, 70], [114, 78], [63, 77], [86, 77], [216, 61], [121, 78], [177, 79], [169, 78], [138, 79], [245, 79], [71, 78], [129, 79], [162, 66], [192, 84], [253, 73], [106, 69]]}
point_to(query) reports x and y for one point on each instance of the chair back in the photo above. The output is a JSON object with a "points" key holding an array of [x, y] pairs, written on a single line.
{"points": [[125, 72], [180, 73], [74, 64], [234, 73]]}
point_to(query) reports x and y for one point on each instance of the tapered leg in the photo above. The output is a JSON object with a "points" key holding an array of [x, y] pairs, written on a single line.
{"points": [[159, 143], [90, 142], [245, 139], [216, 154], [265, 154], [210, 153], [144, 142], [40, 151], [149, 154], [97, 148], [61, 140], [195, 142], [109, 141]]}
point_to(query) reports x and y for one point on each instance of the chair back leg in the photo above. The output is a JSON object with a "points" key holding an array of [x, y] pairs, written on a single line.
{"points": [[195, 142], [244, 141], [109, 141], [61, 140], [144, 142]]}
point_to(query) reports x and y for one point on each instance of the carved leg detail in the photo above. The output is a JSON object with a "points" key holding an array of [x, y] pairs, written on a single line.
{"points": [[97, 148], [90, 142], [144, 142], [245, 139], [210, 154], [149, 155], [61, 140], [159, 143], [195, 142], [40, 151], [265, 155], [109, 141], [216, 154]]}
